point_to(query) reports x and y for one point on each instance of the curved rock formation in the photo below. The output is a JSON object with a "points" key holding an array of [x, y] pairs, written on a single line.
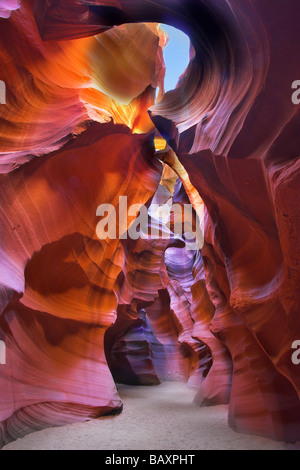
{"points": [[7, 6], [58, 276], [75, 133]]}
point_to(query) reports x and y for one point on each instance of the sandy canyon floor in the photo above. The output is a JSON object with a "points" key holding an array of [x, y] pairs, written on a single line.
{"points": [[153, 418]]}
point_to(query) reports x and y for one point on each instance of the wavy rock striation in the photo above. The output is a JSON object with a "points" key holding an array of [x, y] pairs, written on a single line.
{"points": [[75, 133]]}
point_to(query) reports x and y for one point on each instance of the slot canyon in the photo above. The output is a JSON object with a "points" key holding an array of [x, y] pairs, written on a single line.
{"points": [[86, 121]]}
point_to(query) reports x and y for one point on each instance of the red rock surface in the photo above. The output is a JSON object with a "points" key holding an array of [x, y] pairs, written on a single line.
{"points": [[75, 134]]}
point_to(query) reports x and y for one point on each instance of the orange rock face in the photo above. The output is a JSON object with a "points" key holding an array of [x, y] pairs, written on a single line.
{"points": [[79, 313]]}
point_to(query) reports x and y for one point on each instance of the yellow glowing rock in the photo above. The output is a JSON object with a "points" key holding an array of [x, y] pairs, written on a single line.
{"points": [[160, 143]]}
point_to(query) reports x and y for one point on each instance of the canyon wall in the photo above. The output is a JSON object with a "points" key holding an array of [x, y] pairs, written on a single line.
{"points": [[78, 313]]}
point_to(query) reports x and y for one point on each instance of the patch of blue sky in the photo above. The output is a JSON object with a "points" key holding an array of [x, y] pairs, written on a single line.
{"points": [[176, 55]]}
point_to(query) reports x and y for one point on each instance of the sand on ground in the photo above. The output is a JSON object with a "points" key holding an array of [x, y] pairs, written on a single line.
{"points": [[163, 417]]}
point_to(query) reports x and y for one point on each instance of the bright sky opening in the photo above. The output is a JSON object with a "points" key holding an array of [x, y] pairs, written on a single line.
{"points": [[176, 55]]}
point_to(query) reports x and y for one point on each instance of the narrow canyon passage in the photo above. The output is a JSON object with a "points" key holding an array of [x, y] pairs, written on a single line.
{"points": [[160, 417], [208, 316]]}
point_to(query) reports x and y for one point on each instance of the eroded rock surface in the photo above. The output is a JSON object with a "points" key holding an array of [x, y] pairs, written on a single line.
{"points": [[75, 133]]}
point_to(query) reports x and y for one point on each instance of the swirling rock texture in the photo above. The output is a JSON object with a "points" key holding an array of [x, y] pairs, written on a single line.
{"points": [[77, 131], [7, 6]]}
